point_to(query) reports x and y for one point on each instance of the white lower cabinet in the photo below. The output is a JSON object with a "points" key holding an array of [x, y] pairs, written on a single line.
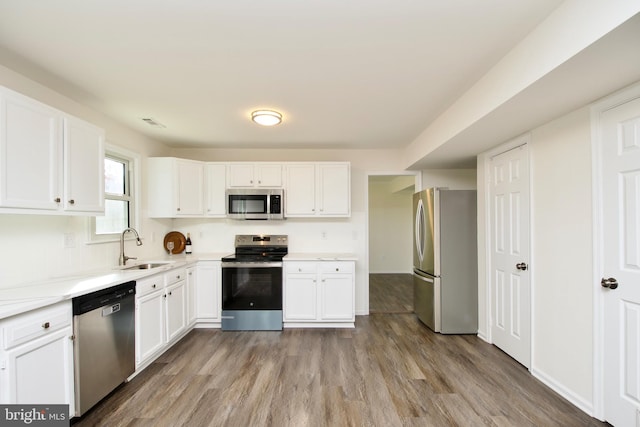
{"points": [[160, 313], [192, 277], [319, 293], [36, 357], [208, 292], [176, 310], [149, 325]]}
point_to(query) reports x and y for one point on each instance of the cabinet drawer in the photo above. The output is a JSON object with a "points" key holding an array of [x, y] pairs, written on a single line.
{"points": [[336, 267], [301, 267], [149, 284], [174, 276], [35, 324]]}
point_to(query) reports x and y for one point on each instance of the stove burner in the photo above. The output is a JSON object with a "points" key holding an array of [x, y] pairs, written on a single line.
{"points": [[258, 248]]}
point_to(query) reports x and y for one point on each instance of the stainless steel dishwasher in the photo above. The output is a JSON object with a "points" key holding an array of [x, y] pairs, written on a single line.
{"points": [[104, 342]]}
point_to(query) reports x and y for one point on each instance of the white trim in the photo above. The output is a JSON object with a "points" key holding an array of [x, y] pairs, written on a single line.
{"points": [[134, 169], [576, 400], [417, 184], [520, 141], [597, 109]]}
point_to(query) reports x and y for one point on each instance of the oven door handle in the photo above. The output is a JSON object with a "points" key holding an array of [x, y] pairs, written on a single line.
{"points": [[251, 264]]}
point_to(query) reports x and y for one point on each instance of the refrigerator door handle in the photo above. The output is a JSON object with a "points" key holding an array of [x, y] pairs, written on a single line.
{"points": [[423, 278], [419, 228]]}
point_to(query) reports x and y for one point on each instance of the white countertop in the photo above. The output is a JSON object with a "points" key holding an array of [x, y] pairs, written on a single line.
{"points": [[320, 257], [33, 295]]}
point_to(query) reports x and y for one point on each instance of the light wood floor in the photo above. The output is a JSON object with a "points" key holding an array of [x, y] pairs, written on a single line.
{"points": [[388, 371], [390, 293]]}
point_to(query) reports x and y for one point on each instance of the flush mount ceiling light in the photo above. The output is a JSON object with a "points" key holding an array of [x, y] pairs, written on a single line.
{"points": [[266, 117]]}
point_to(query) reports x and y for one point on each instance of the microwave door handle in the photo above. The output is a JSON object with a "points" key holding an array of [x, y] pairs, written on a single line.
{"points": [[268, 212]]}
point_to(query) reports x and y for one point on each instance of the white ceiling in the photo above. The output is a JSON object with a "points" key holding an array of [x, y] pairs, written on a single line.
{"points": [[344, 73]]}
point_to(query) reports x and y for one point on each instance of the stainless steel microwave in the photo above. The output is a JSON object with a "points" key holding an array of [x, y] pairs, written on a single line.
{"points": [[255, 203]]}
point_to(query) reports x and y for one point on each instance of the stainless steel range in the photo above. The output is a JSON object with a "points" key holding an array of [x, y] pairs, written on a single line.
{"points": [[252, 283]]}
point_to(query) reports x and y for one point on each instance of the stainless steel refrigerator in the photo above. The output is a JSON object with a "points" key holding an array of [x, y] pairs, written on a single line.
{"points": [[445, 266]]}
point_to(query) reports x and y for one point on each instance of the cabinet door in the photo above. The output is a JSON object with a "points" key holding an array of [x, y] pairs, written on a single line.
{"points": [[216, 183], [334, 195], [41, 371], [83, 167], [337, 297], [30, 153], [268, 175], [190, 177], [150, 323], [300, 194], [300, 297], [191, 295], [208, 291], [176, 317], [240, 175]]}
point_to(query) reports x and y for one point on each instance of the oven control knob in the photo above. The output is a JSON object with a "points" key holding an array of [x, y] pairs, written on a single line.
{"points": [[251, 304]]}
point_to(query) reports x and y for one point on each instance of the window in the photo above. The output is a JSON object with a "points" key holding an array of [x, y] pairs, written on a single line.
{"points": [[117, 197], [119, 203]]}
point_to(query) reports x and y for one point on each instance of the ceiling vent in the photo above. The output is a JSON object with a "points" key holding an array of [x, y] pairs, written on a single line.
{"points": [[153, 122]]}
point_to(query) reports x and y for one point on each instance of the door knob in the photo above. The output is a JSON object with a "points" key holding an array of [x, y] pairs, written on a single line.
{"points": [[521, 266], [610, 283]]}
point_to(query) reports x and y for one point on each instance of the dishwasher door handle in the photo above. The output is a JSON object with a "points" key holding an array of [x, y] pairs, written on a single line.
{"points": [[108, 311]]}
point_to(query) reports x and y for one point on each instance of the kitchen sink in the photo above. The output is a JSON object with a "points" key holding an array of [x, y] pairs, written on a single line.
{"points": [[146, 266]]}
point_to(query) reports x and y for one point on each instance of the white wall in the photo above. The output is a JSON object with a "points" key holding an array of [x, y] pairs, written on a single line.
{"points": [[390, 227], [561, 259], [454, 179], [32, 246]]}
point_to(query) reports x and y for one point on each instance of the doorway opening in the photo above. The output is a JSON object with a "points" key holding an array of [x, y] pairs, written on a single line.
{"points": [[390, 210]]}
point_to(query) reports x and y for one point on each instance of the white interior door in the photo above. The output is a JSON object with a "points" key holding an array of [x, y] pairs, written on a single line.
{"points": [[510, 282], [620, 145]]}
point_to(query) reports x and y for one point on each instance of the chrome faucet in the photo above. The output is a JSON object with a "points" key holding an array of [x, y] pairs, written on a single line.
{"points": [[123, 258]]}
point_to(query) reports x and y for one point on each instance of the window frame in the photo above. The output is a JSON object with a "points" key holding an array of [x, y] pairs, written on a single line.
{"points": [[132, 183]]}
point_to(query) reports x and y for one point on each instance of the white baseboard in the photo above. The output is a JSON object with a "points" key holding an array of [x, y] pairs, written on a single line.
{"points": [[390, 272], [288, 325], [484, 337], [578, 401]]}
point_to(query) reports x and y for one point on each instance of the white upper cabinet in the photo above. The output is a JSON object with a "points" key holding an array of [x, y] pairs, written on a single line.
{"points": [[300, 190], [189, 188], [318, 189], [83, 166], [333, 189], [215, 185], [175, 187], [49, 161], [254, 175]]}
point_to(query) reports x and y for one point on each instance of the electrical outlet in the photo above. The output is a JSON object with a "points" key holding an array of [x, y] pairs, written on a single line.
{"points": [[323, 235], [69, 240]]}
